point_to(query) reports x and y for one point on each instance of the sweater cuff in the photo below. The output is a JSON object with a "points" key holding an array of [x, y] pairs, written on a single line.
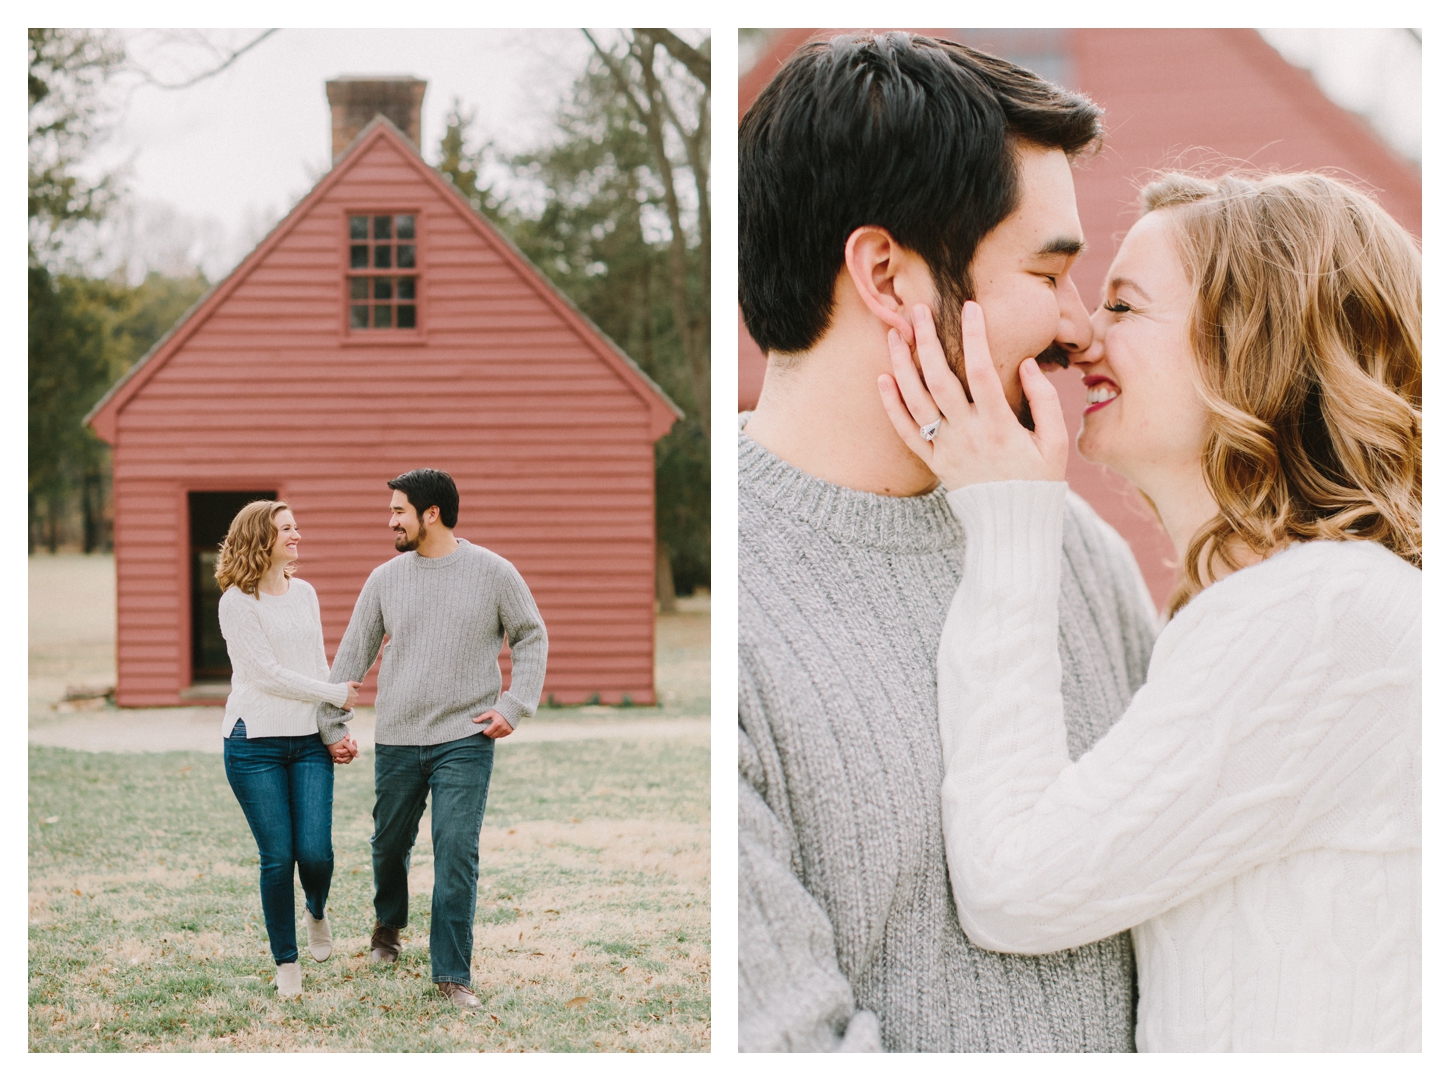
{"points": [[512, 709], [1013, 533], [333, 729]]}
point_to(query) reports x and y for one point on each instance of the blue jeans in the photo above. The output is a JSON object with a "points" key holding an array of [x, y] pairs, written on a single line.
{"points": [[457, 774], [284, 784]]}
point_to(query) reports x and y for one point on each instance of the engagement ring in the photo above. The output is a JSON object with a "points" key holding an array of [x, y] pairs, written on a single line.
{"points": [[928, 431]]}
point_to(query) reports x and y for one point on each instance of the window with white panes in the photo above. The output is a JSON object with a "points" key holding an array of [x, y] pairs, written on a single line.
{"points": [[382, 280]]}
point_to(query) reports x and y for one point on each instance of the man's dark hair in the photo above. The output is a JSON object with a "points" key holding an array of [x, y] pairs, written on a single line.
{"points": [[915, 135], [429, 488]]}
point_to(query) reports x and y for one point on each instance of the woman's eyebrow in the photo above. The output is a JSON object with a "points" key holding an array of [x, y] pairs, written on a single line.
{"points": [[1118, 283]]}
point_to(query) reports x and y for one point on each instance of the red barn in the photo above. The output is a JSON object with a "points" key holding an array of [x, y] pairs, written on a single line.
{"points": [[381, 326], [1170, 97]]}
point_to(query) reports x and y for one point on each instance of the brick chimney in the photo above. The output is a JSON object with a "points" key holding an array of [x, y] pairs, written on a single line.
{"points": [[356, 99]]}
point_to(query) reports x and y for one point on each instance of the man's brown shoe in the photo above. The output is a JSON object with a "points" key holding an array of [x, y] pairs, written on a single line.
{"points": [[385, 944], [459, 995]]}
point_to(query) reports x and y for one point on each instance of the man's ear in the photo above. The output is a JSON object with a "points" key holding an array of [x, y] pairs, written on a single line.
{"points": [[431, 515], [877, 265]]}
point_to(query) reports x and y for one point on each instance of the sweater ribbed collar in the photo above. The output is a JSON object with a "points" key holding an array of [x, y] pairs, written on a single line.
{"points": [[439, 562], [922, 523]]}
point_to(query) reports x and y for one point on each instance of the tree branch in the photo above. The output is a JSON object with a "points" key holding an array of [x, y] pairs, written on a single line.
{"points": [[228, 62], [693, 59]]}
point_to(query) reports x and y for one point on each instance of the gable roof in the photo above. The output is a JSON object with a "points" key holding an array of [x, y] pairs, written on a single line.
{"points": [[663, 413]]}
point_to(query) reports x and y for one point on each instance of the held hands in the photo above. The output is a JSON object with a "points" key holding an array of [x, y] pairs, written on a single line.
{"points": [[980, 440], [343, 751], [497, 726]]}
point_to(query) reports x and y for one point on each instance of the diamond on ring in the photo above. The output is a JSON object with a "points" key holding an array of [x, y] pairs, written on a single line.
{"points": [[928, 431]]}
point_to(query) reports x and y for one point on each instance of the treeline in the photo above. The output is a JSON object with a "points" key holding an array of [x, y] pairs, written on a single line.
{"points": [[83, 331], [68, 358], [623, 230], [614, 208], [84, 335]]}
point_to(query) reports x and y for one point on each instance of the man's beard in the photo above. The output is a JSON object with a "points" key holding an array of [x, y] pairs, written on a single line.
{"points": [[949, 332], [403, 544]]}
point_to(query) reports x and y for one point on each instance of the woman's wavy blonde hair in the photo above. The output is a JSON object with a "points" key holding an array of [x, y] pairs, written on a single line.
{"points": [[1306, 329], [246, 554]]}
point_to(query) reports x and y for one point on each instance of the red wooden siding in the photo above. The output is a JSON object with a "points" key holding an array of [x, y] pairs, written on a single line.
{"points": [[1170, 97], [548, 433]]}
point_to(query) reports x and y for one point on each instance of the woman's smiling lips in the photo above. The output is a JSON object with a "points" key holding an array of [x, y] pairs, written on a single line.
{"points": [[1100, 391]]}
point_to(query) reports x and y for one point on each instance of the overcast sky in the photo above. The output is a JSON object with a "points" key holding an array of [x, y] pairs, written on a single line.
{"points": [[211, 167], [1373, 72]]}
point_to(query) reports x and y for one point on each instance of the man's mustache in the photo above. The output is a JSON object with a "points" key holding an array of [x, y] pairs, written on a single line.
{"points": [[1054, 356]]}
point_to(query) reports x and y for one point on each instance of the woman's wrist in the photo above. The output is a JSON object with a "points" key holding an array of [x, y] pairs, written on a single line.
{"points": [[1013, 532]]}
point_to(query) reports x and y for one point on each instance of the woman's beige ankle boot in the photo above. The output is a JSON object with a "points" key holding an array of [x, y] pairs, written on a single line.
{"points": [[289, 980], [319, 935]]}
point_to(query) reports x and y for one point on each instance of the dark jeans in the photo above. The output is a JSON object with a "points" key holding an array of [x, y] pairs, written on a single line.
{"points": [[457, 774], [284, 784]]}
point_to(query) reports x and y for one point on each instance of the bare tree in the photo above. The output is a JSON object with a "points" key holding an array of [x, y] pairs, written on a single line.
{"points": [[662, 77]]}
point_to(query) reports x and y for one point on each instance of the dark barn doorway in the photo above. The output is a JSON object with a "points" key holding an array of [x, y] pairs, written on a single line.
{"points": [[211, 514]]}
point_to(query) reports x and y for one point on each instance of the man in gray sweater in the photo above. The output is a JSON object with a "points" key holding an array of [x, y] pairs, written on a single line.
{"points": [[446, 607], [877, 173]]}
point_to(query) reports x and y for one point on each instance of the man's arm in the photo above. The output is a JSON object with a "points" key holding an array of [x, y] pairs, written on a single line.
{"points": [[793, 996], [355, 655], [528, 648]]}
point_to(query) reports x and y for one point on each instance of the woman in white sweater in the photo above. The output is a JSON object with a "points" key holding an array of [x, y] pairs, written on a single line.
{"points": [[277, 765], [1254, 816]]}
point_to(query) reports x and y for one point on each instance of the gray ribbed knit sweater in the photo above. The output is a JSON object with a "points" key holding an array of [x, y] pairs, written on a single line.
{"points": [[849, 938], [445, 620]]}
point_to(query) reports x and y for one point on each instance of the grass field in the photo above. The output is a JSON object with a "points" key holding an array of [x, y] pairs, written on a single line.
{"points": [[592, 933]]}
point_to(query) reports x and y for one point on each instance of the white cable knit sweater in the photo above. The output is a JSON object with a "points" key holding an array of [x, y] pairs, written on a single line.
{"points": [[279, 666], [1254, 816]]}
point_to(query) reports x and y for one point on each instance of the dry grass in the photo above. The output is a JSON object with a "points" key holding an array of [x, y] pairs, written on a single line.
{"points": [[592, 932]]}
